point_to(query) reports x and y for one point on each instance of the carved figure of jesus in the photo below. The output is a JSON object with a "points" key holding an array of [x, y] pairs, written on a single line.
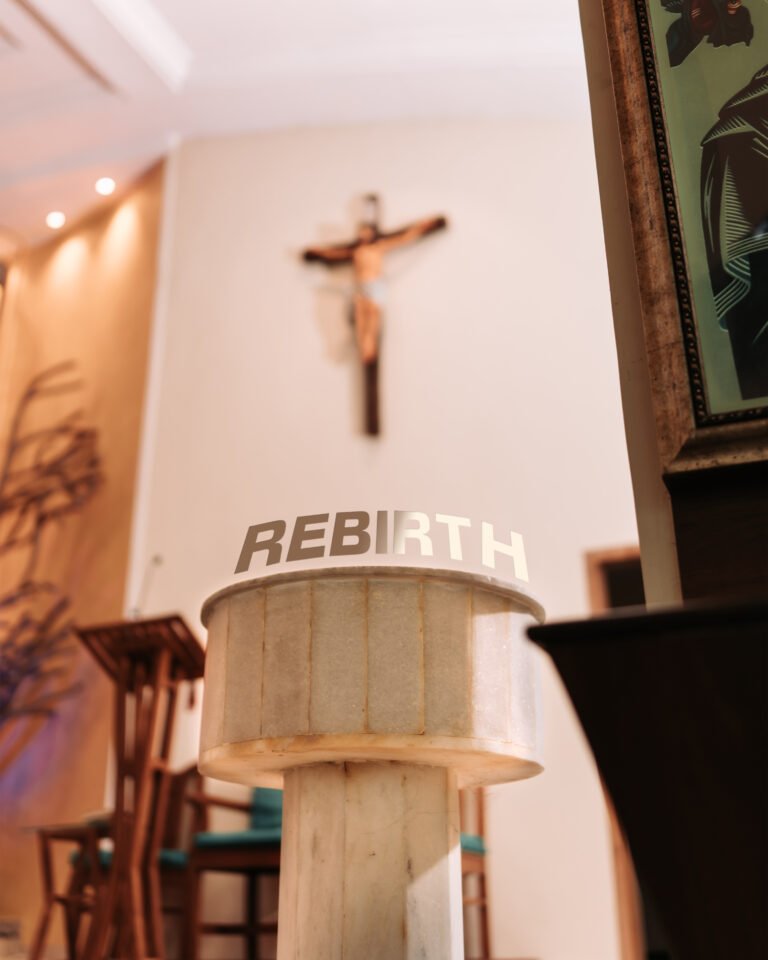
{"points": [[366, 255]]}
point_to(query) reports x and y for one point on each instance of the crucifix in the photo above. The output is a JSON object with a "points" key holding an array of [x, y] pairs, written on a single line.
{"points": [[366, 255]]}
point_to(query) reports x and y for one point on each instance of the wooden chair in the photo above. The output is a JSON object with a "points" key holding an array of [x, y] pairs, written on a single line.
{"points": [[86, 877], [255, 851], [473, 851], [252, 852], [170, 844], [91, 864]]}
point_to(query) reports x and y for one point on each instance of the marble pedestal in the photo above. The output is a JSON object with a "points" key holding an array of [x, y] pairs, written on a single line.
{"points": [[374, 693]]}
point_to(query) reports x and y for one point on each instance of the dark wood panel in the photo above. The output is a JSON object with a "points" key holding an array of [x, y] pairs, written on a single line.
{"points": [[674, 705], [721, 526]]}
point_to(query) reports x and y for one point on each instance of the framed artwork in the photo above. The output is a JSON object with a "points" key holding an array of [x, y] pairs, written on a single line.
{"points": [[706, 66], [686, 82]]}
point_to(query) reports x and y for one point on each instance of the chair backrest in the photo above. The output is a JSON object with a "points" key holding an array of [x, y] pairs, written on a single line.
{"points": [[178, 827], [266, 808]]}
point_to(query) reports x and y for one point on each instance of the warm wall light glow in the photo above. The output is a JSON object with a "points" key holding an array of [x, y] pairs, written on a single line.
{"points": [[105, 186], [67, 266], [55, 220], [120, 239]]}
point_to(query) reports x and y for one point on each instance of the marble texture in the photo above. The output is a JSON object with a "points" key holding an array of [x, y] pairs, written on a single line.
{"points": [[395, 657], [370, 865], [287, 650], [447, 625], [244, 662], [369, 663], [371, 693], [339, 667]]}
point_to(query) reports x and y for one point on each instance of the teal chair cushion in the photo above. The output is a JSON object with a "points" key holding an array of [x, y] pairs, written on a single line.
{"points": [[267, 826], [239, 838], [249, 838], [266, 808], [176, 859], [105, 858], [263, 835], [472, 843]]}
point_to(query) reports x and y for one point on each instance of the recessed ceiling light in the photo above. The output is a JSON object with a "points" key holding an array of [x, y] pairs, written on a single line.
{"points": [[105, 186], [55, 220]]}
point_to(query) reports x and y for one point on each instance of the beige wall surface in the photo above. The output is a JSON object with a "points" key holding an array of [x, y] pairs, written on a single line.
{"points": [[500, 402], [86, 296]]}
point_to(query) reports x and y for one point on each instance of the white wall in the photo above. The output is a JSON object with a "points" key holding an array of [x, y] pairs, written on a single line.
{"points": [[500, 402]]}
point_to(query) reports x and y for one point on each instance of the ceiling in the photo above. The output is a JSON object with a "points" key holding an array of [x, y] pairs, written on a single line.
{"points": [[93, 88]]}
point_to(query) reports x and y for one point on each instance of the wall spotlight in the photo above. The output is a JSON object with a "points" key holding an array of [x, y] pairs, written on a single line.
{"points": [[55, 220], [105, 186]]}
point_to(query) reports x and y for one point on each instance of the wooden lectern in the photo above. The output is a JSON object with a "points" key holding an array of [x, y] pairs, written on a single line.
{"points": [[146, 659]]}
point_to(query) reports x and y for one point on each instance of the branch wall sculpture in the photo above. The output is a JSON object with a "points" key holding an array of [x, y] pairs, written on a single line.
{"points": [[48, 473]]}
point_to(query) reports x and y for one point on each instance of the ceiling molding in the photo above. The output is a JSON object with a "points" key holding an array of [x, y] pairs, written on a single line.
{"points": [[8, 39], [354, 65], [134, 152], [54, 34], [146, 30], [94, 87]]}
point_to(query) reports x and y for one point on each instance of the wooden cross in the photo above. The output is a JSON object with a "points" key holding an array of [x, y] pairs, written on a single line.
{"points": [[366, 254]]}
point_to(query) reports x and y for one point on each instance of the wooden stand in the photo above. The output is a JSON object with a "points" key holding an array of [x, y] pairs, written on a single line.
{"points": [[147, 659], [376, 692]]}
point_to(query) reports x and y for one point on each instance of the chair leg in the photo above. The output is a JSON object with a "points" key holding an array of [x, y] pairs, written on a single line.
{"points": [[36, 950], [102, 920], [191, 938], [484, 932], [174, 890], [155, 899], [48, 893], [72, 925], [75, 907], [252, 915]]}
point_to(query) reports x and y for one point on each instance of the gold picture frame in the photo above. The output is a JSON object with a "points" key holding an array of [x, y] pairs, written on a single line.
{"points": [[650, 275]]}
